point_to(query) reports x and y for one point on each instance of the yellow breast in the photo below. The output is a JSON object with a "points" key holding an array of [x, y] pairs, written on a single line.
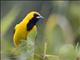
{"points": [[21, 33]]}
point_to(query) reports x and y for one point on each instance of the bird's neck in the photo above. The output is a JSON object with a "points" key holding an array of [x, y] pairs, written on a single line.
{"points": [[31, 24]]}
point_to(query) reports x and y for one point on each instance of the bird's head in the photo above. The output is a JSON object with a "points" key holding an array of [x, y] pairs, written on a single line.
{"points": [[35, 15], [34, 18]]}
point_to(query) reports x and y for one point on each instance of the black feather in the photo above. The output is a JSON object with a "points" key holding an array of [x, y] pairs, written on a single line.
{"points": [[32, 22]]}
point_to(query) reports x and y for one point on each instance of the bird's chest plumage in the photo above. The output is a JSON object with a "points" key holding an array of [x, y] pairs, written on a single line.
{"points": [[21, 31]]}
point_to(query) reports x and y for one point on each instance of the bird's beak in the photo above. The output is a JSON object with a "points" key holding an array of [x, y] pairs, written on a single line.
{"points": [[40, 17]]}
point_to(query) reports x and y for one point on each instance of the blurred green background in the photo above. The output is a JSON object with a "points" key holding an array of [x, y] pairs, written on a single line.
{"points": [[58, 39]]}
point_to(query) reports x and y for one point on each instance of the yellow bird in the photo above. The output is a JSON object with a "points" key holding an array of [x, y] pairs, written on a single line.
{"points": [[27, 25]]}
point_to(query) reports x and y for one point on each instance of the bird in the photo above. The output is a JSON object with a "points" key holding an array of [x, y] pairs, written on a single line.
{"points": [[27, 25]]}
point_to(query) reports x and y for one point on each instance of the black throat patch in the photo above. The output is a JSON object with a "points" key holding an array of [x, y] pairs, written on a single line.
{"points": [[32, 23]]}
